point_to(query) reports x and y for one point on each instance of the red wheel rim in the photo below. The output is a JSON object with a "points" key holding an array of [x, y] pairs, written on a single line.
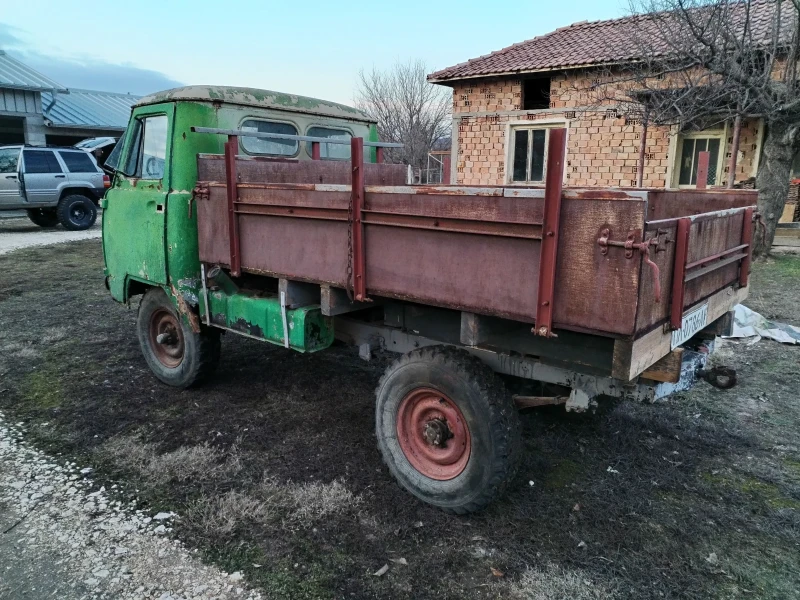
{"points": [[166, 338], [433, 434]]}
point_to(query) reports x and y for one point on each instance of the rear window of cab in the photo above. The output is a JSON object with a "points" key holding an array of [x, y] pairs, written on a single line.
{"points": [[280, 147], [270, 147]]}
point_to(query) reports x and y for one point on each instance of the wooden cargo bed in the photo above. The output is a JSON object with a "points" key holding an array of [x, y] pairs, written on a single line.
{"points": [[624, 264]]}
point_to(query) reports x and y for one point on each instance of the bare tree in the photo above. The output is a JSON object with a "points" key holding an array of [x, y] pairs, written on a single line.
{"points": [[697, 63], [408, 109]]}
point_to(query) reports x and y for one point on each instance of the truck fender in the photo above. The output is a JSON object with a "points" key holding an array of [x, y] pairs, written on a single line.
{"points": [[185, 309]]}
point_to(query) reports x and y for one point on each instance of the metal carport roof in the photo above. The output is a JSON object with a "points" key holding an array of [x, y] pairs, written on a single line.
{"points": [[16, 75], [88, 109]]}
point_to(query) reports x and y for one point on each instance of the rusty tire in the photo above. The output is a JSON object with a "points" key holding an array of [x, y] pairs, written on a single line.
{"points": [[177, 355], [447, 429]]}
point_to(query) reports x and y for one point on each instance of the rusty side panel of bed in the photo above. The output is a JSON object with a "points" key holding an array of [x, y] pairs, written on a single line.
{"points": [[474, 249], [668, 204]]}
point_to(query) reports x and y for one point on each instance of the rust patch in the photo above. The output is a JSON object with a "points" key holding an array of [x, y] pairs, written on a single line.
{"points": [[246, 327], [186, 310]]}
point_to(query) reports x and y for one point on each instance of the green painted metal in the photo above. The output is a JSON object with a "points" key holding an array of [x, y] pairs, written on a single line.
{"points": [[133, 223], [309, 330], [150, 227]]}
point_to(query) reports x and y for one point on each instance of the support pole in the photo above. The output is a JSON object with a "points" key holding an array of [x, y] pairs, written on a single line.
{"points": [[747, 238], [315, 151], [679, 272], [550, 225], [737, 130], [231, 181], [357, 234], [702, 170]]}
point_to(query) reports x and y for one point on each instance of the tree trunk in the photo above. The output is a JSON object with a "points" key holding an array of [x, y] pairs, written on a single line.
{"points": [[772, 181]]}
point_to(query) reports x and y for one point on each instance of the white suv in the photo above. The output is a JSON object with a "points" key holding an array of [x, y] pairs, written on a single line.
{"points": [[55, 185]]}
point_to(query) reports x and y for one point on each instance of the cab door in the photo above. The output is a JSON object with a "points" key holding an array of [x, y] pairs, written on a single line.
{"points": [[134, 207], [10, 189]]}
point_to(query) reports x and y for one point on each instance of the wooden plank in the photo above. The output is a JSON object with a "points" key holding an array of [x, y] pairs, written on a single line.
{"points": [[631, 357], [722, 326], [668, 369], [334, 301], [536, 401], [471, 332], [479, 329], [299, 293]]}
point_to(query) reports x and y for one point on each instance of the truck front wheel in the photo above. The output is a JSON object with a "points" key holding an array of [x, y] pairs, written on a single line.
{"points": [[177, 355], [447, 429]]}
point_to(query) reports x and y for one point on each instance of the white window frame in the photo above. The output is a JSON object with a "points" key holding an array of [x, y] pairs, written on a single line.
{"points": [[547, 125], [709, 134]]}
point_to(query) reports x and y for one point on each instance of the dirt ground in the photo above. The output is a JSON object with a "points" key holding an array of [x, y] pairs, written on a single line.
{"points": [[274, 471]]}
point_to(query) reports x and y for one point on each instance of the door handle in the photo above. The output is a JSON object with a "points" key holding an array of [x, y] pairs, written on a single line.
{"points": [[60, 176], [11, 176]]}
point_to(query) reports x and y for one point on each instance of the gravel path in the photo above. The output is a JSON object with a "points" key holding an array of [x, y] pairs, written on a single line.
{"points": [[62, 538], [16, 233]]}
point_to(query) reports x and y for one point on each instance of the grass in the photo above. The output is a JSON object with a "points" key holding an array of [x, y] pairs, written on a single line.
{"points": [[273, 469]]}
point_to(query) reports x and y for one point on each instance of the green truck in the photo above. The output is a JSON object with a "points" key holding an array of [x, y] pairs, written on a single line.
{"points": [[275, 217]]}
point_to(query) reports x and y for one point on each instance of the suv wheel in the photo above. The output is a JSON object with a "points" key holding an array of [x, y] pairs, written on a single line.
{"points": [[43, 217], [76, 212]]}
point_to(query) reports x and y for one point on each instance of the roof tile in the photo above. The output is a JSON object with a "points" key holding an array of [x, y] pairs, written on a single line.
{"points": [[584, 44]]}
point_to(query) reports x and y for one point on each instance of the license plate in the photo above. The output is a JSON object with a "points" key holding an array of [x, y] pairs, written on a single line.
{"points": [[690, 324]]}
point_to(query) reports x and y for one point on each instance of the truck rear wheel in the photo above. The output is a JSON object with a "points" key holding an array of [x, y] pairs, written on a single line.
{"points": [[43, 217], [76, 212], [447, 429], [177, 355]]}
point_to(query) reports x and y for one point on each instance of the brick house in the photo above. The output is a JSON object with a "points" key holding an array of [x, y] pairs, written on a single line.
{"points": [[505, 103]]}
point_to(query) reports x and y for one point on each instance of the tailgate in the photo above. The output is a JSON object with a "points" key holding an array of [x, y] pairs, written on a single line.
{"points": [[702, 266]]}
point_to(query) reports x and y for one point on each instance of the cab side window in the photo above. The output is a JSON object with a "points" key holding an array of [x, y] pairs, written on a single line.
{"points": [[148, 151], [331, 151], [269, 146]]}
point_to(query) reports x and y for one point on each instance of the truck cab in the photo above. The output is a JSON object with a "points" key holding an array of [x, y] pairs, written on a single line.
{"points": [[149, 223]]}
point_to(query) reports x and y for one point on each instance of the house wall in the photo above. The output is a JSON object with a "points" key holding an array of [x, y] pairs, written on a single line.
{"points": [[602, 145]]}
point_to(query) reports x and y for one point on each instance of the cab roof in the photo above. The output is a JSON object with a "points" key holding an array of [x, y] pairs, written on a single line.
{"points": [[256, 97]]}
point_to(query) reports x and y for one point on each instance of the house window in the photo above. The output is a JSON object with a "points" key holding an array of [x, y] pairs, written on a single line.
{"points": [[529, 154], [535, 93], [689, 151]]}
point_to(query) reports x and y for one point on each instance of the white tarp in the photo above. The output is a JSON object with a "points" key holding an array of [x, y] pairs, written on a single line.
{"points": [[749, 324]]}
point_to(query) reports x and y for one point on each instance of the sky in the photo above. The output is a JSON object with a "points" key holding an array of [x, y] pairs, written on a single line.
{"points": [[309, 47]]}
